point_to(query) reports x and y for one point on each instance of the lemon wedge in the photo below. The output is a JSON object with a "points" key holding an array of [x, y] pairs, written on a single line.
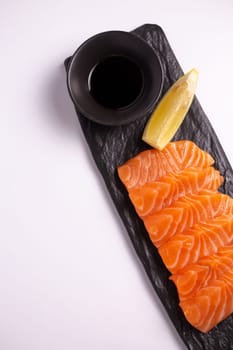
{"points": [[171, 111]]}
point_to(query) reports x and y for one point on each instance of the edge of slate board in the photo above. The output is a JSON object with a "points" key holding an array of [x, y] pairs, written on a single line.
{"points": [[111, 146]]}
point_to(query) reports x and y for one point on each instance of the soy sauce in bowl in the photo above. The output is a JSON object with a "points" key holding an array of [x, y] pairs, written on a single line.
{"points": [[115, 78], [116, 82]]}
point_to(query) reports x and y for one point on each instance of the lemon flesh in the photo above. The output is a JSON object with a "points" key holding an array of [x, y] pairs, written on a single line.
{"points": [[171, 111]]}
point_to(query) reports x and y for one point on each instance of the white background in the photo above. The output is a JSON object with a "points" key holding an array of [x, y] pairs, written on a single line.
{"points": [[69, 277]]}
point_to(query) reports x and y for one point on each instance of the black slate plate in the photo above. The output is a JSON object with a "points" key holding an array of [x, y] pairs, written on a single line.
{"points": [[112, 146]]}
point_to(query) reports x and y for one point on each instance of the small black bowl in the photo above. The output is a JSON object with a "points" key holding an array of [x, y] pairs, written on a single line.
{"points": [[114, 78]]}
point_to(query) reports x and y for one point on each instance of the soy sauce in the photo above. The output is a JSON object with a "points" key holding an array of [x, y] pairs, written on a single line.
{"points": [[115, 82]]}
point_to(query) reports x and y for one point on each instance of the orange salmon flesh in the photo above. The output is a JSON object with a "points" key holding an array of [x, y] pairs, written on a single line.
{"points": [[175, 193]]}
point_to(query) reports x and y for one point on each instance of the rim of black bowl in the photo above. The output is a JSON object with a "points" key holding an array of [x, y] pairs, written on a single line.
{"points": [[114, 121]]}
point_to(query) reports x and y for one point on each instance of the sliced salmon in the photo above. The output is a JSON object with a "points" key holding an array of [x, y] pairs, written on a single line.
{"points": [[186, 212], [152, 164], [154, 196], [196, 276], [211, 304], [201, 240], [174, 191]]}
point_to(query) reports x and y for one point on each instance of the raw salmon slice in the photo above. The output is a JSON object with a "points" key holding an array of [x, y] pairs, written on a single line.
{"points": [[152, 197], [196, 276], [201, 240], [211, 304], [174, 191], [186, 212], [152, 164]]}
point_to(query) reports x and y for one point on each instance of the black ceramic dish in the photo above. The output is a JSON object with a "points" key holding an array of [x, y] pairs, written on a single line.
{"points": [[112, 146], [124, 53]]}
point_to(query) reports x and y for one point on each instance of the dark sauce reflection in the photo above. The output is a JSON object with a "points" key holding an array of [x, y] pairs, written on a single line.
{"points": [[115, 82]]}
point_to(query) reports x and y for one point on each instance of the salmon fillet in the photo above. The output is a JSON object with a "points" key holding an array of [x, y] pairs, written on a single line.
{"points": [[196, 276], [186, 212], [211, 304], [152, 164], [154, 196], [175, 193], [201, 240]]}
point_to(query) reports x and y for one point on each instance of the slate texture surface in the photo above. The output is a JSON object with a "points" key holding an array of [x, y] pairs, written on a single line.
{"points": [[112, 146]]}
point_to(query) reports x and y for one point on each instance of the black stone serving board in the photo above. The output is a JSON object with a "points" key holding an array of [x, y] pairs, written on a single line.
{"points": [[112, 146]]}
